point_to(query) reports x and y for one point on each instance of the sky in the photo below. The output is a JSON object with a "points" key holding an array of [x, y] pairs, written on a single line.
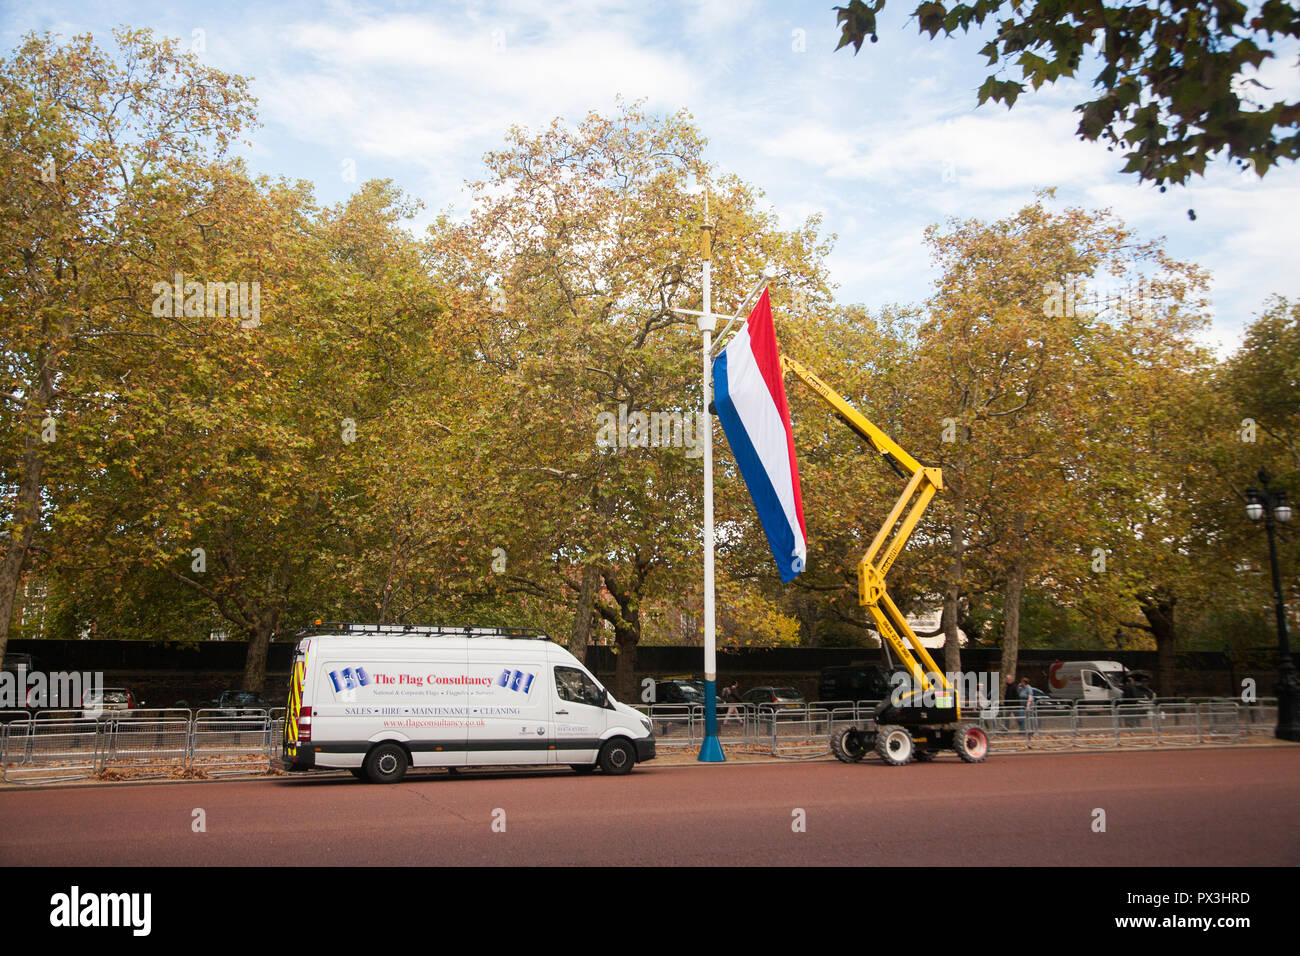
{"points": [[880, 145]]}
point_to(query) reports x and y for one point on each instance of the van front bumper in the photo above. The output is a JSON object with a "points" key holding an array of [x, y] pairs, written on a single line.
{"points": [[645, 749]]}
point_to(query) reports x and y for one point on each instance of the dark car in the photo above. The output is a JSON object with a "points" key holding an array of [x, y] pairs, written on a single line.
{"points": [[677, 691], [767, 698], [676, 700], [242, 703], [853, 682]]}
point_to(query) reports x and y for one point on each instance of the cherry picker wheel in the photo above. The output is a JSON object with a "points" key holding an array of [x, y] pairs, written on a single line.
{"points": [[895, 745], [848, 745], [971, 743]]}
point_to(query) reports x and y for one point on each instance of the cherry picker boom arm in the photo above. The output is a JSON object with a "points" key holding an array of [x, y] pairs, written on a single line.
{"points": [[922, 484]]}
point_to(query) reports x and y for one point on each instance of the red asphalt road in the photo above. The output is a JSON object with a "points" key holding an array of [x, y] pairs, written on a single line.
{"points": [[1194, 807]]}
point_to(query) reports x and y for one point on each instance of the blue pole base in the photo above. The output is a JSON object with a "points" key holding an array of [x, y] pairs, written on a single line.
{"points": [[711, 750]]}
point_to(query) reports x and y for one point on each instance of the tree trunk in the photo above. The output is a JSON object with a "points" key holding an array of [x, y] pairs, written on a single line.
{"points": [[952, 595], [1158, 609], [259, 643], [625, 668], [580, 635], [625, 616], [1012, 597], [27, 519], [805, 609]]}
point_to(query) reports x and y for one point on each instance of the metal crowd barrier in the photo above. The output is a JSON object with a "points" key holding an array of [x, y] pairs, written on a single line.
{"points": [[800, 732], [153, 742], [1094, 726], [1178, 724], [1220, 721], [40, 751], [274, 735], [681, 726], [227, 745], [1259, 717], [1087, 725], [62, 745]]}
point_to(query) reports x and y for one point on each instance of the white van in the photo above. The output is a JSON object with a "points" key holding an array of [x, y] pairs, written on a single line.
{"points": [[377, 699], [1086, 680]]}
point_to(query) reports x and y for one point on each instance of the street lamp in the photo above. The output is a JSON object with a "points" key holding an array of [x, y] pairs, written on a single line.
{"points": [[706, 322], [1270, 506]]}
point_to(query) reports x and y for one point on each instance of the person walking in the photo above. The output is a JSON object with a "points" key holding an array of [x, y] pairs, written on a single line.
{"points": [[1029, 694], [1130, 695], [1011, 703], [731, 697]]}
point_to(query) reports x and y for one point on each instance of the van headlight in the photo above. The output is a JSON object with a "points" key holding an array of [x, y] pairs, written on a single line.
{"points": [[646, 722]]}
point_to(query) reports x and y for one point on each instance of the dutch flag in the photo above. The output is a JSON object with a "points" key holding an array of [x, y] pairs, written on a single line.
{"points": [[749, 397]]}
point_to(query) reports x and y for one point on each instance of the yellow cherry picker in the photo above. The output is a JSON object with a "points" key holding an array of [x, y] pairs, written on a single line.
{"points": [[922, 716]]}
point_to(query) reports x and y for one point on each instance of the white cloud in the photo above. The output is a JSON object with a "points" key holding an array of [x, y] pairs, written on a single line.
{"points": [[409, 90]]}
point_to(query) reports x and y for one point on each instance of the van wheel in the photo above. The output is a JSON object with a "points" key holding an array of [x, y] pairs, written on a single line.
{"points": [[583, 768], [895, 745], [971, 743], [617, 756], [386, 764]]}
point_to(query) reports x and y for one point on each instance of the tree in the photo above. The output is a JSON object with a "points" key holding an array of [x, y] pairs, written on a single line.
{"points": [[1257, 424], [1010, 364], [242, 459], [84, 138], [1143, 552], [581, 242], [1174, 78]]}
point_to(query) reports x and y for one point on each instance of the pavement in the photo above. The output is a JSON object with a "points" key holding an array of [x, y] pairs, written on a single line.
{"points": [[1199, 806]]}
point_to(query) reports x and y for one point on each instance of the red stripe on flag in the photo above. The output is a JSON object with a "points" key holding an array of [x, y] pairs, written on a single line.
{"points": [[762, 340]]}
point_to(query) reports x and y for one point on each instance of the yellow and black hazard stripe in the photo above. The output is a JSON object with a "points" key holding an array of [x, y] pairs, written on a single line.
{"points": [[294, 707]]}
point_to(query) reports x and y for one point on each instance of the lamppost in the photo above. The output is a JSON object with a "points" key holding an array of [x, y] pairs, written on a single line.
{"points": [[1270, 506], [706, 322]]}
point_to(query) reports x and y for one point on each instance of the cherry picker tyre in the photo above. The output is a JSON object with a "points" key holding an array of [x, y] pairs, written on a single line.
{"points": [[894, 744], [971, 743], [847, 745]]}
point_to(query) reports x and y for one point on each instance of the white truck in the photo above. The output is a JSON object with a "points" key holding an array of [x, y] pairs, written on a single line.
{"points": [[377, 699], [1089, 681]]}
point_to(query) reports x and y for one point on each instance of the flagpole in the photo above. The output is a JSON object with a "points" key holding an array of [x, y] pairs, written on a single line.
{"points": [[711, 747]]}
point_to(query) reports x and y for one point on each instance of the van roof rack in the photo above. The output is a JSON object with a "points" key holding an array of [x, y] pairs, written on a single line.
{"points": [[420, 630]]}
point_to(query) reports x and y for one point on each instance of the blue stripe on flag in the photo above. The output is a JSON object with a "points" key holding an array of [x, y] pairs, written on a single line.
{"points": [[780, 536]]}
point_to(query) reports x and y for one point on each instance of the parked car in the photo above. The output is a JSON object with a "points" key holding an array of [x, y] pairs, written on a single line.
{"points": [[675, 700], [774, 697], [854, 682], [109, 702], [676, 691], [242, 703], [18, 666]]}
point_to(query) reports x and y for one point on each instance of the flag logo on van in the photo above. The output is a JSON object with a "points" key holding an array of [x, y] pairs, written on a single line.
{"points": [[518, 681]]}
